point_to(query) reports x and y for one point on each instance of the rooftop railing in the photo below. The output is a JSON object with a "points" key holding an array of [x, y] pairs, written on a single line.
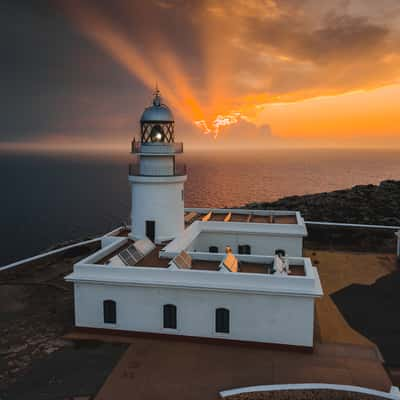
{"points": [[156, 148], [135, 170]]}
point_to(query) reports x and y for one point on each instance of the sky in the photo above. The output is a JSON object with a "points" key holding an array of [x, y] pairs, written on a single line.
{"points": [[77, 74]]}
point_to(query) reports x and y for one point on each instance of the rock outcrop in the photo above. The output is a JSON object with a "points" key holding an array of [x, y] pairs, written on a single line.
{"points": [[362, 204]]}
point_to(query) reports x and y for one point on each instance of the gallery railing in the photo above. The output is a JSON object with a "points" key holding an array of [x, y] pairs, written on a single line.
{"points": [[135, 170]]}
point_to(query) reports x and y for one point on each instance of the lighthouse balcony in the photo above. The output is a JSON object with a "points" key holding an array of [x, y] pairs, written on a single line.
{"points": [[152, 148], [136, 170]]}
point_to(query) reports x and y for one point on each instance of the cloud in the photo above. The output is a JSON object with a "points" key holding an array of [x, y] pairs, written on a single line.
{"points": [[65, 70], [245, 131]]}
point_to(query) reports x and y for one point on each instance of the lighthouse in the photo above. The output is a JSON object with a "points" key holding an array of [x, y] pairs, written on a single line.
{"points": [[157, 181]]}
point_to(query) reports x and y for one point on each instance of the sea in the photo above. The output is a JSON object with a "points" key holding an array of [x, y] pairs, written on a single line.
{"points": [[48, 199]]}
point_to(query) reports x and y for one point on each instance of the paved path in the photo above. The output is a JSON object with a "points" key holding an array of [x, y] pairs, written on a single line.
{"points": [[162, 369]]}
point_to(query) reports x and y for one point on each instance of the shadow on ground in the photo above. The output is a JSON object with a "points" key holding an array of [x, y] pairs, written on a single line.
{"points": [[373, 310]]}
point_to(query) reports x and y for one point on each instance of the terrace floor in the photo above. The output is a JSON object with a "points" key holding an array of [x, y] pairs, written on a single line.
{"points": [[153, 260], [237, 217]]}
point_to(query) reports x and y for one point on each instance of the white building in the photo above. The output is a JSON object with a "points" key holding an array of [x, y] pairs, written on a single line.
{"points": [[208, 273]]}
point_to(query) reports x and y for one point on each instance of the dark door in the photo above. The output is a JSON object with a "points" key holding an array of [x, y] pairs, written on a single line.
{"points": [[222, 320], [151, 230], [169, 316]]}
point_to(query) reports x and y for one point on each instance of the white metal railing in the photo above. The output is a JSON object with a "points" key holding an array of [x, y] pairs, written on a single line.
{"points": [[340, 224]]}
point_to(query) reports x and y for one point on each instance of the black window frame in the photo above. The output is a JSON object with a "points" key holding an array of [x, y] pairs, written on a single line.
{"points": [[110, 311], [222, 320], [244, 249], [169, 316], [213, 249]]}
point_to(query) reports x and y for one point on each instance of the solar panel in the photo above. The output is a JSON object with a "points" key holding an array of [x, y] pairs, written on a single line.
{"points": [[186, 258], [189, 217], [126, 257], [183, 260], [134, 253]]}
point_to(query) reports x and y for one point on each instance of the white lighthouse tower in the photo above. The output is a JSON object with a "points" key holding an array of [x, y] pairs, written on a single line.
{"points": [[157, 182]]}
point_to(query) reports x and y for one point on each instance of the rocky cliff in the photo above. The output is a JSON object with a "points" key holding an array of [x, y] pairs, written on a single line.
{"points": [[362, 204]]}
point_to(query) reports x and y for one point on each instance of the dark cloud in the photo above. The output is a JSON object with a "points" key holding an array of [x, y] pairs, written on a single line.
{"points": [[297, 51], [53, 79], [56, 79], [340, 37]]}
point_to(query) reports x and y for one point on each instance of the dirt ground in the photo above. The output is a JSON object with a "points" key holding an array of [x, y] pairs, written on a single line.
{"points": [[36, 309], [161, 369]]}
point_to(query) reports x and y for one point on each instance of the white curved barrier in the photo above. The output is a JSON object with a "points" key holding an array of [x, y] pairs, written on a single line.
{"points": [[394, 393]]}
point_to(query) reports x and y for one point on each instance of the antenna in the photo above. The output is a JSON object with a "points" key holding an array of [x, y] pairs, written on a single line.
{"points": [[157, 97]]}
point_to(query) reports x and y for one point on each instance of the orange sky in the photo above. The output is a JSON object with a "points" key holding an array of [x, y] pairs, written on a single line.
{"points": [[319, 74], [281, 73]]}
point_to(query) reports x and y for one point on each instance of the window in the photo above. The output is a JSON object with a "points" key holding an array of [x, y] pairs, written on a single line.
{"points": [[222, 320], [182, 194], [213, 249], [110, 311], [280, 252], [244, 249], [169, 316]]}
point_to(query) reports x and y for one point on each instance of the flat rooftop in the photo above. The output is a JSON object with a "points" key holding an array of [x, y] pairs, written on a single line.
{"points": [[150, 260], [153, 260], [245, 267], [242, 215]]}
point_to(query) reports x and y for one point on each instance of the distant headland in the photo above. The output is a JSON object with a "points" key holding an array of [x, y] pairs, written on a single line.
{"points": [[361, 204]]}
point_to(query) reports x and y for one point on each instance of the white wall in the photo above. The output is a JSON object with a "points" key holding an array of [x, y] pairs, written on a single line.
{"points": [[157, 165], [282, 319], [159, 200], [260, 244]]}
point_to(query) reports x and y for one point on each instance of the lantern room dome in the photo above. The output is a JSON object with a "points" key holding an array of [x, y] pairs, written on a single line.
{"points": [[158, 112]]}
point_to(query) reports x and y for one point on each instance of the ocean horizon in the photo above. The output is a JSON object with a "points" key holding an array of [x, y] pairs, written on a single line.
{"points": [[50, 198]]}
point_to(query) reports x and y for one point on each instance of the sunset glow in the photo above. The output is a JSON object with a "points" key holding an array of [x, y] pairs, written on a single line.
{"points": [[321, 73], [226, 95]]}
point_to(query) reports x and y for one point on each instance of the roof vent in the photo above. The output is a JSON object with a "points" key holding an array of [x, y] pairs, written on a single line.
{"points": [[181, 261], [230, 263]]}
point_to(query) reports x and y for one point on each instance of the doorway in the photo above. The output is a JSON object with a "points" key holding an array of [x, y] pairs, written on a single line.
{"points": [[151, 230]]}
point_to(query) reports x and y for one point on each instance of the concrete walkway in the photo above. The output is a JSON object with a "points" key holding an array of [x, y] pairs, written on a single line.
{"points": [[158, 368]]}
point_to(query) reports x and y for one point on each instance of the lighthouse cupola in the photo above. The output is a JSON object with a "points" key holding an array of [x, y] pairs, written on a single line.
{"points": [[157, 122], [156, 179]]}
